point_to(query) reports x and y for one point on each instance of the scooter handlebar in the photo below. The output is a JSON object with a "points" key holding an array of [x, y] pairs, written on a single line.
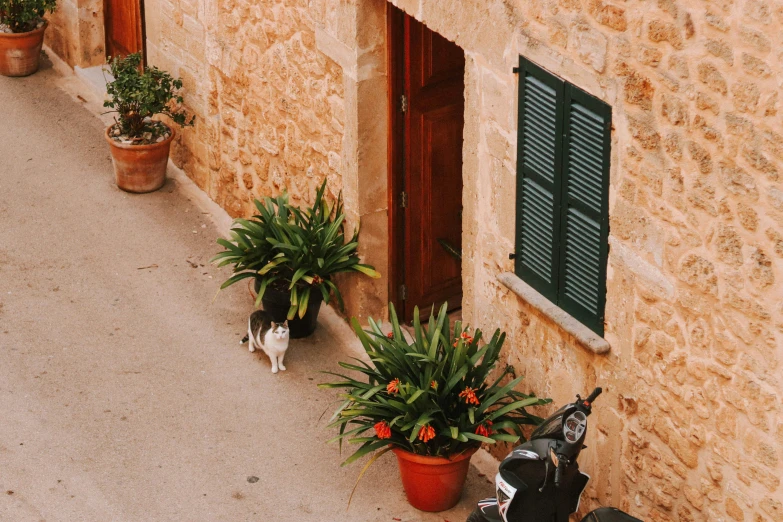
{"points": [[589, 400]]}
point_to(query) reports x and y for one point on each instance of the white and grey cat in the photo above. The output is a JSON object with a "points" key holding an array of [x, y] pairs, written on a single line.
{"points": [[271, 337]]}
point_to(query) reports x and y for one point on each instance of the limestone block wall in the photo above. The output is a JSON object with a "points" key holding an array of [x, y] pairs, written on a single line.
{"points": [[269, 108], [75, 32], [691, 426]]}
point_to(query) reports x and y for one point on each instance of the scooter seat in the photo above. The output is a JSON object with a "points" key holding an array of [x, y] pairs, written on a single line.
{"points": [[607, 514]]}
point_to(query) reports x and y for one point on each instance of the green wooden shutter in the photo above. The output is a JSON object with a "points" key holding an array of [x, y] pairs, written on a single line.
{"points": [[539, 166], [585, 208]]}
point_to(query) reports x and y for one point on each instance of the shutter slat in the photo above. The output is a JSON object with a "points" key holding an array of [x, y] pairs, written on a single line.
{"points": [[536, 152], [583, 236], [589, 123], [590, 256], [541, 88], [532, 111], [586, 181], [540, 145], [539, 127], [585, 157], [587, 163], [583, 112], [536, 97], [588, 156], [537, 229]]}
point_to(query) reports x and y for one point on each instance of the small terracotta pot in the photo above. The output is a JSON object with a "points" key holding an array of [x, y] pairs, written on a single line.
{"points": [[433, 483], [140, 168], [20, 52]]}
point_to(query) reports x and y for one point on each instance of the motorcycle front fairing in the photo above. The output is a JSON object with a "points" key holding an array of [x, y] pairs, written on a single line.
{"points": [[519, 479]]}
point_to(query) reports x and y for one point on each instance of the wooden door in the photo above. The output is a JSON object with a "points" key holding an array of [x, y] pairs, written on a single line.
{"points": [[124, 25], [428, 101]]}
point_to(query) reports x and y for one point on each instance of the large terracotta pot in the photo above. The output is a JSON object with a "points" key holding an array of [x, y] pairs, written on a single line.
{"points": [[140, 168], [433, 483], [20, 52]]}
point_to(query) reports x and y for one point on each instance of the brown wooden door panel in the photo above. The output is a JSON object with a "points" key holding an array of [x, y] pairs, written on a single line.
{"points": [[441, 205], [124, 27], [430, 71]]}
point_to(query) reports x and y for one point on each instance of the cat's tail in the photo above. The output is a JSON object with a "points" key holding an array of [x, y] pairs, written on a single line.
{"points": [[245, 339]]}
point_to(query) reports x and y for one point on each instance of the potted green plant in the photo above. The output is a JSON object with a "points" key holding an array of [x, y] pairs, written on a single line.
{"points": [[140, 145], [429, 401], [292, 254], [22, 27]]}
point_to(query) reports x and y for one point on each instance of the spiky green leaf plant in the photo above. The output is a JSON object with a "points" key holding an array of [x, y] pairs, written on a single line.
{"points": [[294, 249], [430, 395]]}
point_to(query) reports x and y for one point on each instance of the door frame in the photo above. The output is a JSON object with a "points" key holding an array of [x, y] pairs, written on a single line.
{"points": [[142, 22]]}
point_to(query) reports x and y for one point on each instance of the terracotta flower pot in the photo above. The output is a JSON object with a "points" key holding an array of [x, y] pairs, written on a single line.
{"points": [[140, 168], [433, 483], [20, 52]]}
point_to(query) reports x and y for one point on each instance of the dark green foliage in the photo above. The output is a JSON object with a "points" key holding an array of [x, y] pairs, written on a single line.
{"points": [[292, 248], [435, 372], [135, 95], [22, 16]]}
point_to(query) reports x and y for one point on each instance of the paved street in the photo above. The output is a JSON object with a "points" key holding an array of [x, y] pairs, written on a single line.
{"points": [[124, 394]]}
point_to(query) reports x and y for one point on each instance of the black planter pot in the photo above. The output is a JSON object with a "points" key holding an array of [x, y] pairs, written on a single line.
{"points": [[277, 302]]}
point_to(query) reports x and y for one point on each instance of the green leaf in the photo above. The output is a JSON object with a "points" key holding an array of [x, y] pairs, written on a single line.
{"points": [[303, 301], [480, 438], [511, 407], [456, 377], [502, 392], [235, 278], [415, 396], [366, 448], [364, 469], [367, 270]]}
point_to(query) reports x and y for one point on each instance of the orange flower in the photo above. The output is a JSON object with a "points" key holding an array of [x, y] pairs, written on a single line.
{"points": [[394, 386], [465, 336], [434, 385], [383, 430], [317, 280], [469, 394], [485, 430], [426, 433], [390, 335]]}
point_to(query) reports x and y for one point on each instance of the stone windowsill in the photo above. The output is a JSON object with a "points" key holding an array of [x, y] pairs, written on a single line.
{"points": [[586, 337]]}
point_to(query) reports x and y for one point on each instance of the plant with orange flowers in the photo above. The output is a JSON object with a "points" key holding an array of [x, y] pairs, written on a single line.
{"points": [[429, 395]]}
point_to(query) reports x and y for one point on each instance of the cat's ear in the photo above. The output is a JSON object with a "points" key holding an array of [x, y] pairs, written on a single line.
{"points": [[273, 325], [285, 323]]}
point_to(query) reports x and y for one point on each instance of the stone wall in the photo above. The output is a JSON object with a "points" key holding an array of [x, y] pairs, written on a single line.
{"points": [[270, 108], [287, 92], [75, 32]]}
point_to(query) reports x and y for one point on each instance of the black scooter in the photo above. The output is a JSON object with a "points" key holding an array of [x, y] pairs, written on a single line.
{"points": [[540, 481]]}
